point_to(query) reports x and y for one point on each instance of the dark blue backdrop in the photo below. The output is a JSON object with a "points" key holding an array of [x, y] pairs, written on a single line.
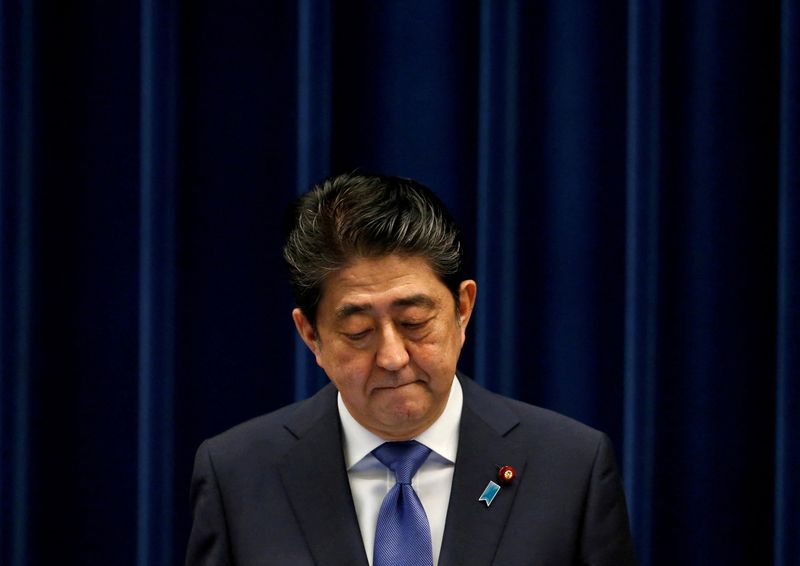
{"points": [[626, 175]]}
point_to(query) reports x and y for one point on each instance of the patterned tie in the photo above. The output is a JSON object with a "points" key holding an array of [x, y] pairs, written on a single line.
{"points": [[403, 535]]}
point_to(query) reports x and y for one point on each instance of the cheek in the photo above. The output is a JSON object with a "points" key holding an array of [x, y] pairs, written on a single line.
{"points": [[437, 359], [447, 340], [346, 367]]}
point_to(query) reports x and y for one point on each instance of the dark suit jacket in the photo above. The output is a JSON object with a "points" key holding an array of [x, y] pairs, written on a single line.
{"points": [[274, 490]]}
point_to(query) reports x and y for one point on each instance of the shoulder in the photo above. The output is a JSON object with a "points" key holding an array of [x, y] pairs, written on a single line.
{"points": [[268, 437], [536, 428]]}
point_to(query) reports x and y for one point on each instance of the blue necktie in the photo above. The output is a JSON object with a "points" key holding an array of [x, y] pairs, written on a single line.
{"points": [[403, 535]]}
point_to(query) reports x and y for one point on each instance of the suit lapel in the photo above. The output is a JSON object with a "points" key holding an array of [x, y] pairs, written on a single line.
{"points": [[473, 530], [315, 479]]}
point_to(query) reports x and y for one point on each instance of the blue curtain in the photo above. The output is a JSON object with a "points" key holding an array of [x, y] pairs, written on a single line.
{"points": [[626, 174]]}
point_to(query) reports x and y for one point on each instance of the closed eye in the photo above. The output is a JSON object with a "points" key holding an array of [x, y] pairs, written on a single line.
{"points": [[416, 325], [357, 336]]}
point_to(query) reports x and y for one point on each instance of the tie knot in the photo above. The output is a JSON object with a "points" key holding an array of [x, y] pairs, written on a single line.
{"points": [[403, 458]]}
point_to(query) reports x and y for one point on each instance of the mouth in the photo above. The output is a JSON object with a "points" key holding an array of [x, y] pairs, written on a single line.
{"points": [[397, 385]]}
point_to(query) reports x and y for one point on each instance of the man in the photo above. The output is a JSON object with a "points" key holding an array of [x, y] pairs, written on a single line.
{"points": [[400, 460]]}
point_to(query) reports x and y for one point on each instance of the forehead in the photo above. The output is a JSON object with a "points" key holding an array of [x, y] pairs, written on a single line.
{"points": [[389, 281]]}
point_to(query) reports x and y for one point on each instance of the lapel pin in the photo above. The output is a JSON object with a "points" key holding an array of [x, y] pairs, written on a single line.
{"points": [[489, 493], [506, 474]]}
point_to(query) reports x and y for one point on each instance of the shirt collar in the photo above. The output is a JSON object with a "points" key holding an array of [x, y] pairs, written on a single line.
{"points": [[441, 436]]}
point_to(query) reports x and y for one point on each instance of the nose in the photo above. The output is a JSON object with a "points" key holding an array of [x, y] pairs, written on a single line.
{"points": [[392, 354]]}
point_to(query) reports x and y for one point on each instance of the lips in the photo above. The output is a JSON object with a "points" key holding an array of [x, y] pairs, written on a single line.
{"points": [[398, 385]]}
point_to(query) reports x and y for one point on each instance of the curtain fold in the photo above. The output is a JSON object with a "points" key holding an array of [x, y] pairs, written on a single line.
{"points": [[626, 178], [156, 299], [497, 249], [787, 399], [314, 90], [16, 266], [642, 265]]}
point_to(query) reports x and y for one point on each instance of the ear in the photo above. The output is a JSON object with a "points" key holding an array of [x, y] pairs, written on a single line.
{"points": [[467, 292], [307, 333]]}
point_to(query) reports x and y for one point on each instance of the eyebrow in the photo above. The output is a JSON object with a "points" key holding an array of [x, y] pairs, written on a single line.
{"points": [[418, 300]]}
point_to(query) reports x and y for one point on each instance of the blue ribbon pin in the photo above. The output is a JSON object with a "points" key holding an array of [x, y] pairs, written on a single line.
{"points": [[488, 495]]}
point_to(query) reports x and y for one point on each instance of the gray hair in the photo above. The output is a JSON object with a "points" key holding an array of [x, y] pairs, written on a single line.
{"points": [[355, 216]]}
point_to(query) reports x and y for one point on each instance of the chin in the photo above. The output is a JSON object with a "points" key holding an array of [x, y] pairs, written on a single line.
{"points": [[407, 412]]}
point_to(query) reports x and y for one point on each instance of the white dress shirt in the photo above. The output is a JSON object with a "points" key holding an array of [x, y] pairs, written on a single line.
{"points": [[370, 480]]}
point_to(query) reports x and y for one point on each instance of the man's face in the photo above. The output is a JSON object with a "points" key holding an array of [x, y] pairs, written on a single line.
{"points": [[389, 335]]}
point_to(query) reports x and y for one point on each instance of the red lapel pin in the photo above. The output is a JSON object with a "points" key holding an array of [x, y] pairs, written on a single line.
{"points": [[506, 474]]}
